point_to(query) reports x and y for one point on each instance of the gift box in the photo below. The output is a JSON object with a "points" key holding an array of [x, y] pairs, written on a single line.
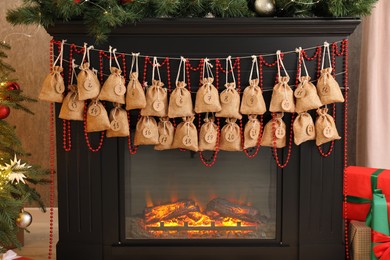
{"points": [[359, 240], [359, 186]]}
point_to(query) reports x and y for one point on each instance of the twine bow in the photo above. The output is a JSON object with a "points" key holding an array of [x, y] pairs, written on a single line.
{"points": [[230, 87]]}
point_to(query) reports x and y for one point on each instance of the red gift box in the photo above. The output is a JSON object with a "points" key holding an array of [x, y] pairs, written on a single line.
{"points": [[359, 185]]}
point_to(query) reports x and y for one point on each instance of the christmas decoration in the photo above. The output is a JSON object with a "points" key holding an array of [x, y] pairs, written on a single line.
{"points": [[4, 112], [114, 13], [209, 94], [264, 7], [12, 86], [15, 170], [17, 179], [24, 219]]}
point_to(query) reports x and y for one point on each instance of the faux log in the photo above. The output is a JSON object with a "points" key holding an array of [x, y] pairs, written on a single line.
{"points": [[228, 209], [169, 211]]}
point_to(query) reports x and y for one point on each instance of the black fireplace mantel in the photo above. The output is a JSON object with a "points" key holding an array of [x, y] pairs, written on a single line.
{"points": [[226, 26], [90, 185]]}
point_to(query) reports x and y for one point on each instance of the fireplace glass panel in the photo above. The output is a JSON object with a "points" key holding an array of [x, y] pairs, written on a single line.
{"points": [[172, 195]]}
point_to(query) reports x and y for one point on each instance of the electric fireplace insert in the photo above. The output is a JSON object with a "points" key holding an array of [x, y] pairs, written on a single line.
{"points": [[114, 205]]}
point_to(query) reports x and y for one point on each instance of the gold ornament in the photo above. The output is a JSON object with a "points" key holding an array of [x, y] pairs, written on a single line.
{"points": [[264, 7], [24, 219]]}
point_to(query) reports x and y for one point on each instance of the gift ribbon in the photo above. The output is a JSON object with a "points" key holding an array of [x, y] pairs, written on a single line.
{"points": [[374, 184], [382, 250]]}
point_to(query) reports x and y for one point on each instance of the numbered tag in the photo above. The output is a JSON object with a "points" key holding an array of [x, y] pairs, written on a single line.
{"points": [[147, 132], [310, 130], [94, 110], [286, 105], [300, 92], [120, 89], [253, 133], [325, 90], [252, 101], [115, 126], [210, 137], [158, 105], [208, 98], [88, 84], [328, 132], [231, 137], [163, 139], [60, 88], [187, 141], [72, 105], [280, 132], [226, 97], [180, 101]]}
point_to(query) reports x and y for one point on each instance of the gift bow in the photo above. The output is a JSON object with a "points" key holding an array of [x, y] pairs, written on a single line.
{"points": [[382, 250], [10, 255]]}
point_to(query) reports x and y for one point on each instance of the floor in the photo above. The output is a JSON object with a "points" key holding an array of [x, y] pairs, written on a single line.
{"points": [[36, 243]]}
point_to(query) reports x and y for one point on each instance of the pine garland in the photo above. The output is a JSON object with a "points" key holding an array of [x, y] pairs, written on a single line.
{"points": [[101, 16]]}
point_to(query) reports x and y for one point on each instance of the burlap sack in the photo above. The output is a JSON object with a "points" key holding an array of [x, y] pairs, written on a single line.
{"points": [[230, 136], [146, 131], [72, 108], [230, 102], [306, 96], [208, 136], [97, 118], [282, 99], [114, 88], [166, 132], [53, 86], [207, 98], [269, 133], [180, 103], [156, 100], [252, 132], [304, 129], [326, 130], [328, 89], [135, 96], [119, 124], [88, 84], [186, 135], [252, 100]]}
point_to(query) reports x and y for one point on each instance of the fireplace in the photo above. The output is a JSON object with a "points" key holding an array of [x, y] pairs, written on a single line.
{"points": [[168, 205], [173, 196]]}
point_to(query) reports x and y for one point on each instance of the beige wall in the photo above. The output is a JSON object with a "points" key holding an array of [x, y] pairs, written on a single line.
{"points": [[30, 58]]}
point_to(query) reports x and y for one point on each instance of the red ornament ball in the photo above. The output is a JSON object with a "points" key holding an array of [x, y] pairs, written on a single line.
{"points": [[4, 112], [13, 86]]}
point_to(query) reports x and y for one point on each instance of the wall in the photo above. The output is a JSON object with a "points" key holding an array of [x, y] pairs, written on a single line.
{"points": [[30, 58]]}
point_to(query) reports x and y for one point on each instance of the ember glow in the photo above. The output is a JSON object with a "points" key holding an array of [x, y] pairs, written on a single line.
{"points": [[185, 219]]}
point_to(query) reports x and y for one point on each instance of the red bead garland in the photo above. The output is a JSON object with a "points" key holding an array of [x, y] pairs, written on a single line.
{"points": [[52, 165], [334, 53], [213, 160], [346, 90], [66, 124], [132, 150]]}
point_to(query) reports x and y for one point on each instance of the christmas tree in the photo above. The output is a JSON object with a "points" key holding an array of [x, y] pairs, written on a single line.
{"points": [[17, 179], [114, 13]]}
